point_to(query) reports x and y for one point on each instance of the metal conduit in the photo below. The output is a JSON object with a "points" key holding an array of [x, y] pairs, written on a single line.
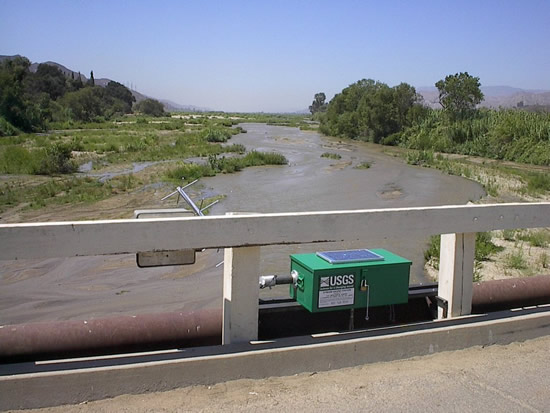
{"points": [[177, 330], [510, 293], [110, 335]]}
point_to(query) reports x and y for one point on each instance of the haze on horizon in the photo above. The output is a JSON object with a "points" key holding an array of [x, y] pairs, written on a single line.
{"points": [[246, 56]]}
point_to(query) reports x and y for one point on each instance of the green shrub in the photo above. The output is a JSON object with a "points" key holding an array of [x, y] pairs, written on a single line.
{"points": [[112, 147], [538, 182], [513, 135], [363, 165], [212, 134], [420, 157], [57, 159], [331, 155], [485, 247], [539, 238], [238, 130], [516, 260], [136, 146], [392, 140], [190, 172], [59, 191], [222, 164], [433, 250], [237, 148], [19, 160], [255, 158], [6, 128], [509, 234], [150, 107]]}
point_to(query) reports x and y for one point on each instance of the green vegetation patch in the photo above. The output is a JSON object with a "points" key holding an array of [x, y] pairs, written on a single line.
{"points": [[213, 134], [421, 158], [51, 160], [125, 140], [215, 164], [59, 191], [236, 147], [363, 165], [331, 155], [540, 238], [372, 111], [484, 248], [516, 260], [491, 176]]}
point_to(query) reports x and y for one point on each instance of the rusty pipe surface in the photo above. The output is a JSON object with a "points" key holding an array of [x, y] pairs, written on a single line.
{"points": [[176, 330], [110, 335], [510, 293]]}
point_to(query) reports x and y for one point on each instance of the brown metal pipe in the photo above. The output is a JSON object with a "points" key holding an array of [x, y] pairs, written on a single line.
{"points": [[110, 335], [121, 334], [510, 293]]}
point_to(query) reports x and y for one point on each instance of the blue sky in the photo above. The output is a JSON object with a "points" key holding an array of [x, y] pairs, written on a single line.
{"points": [[275, 55]]}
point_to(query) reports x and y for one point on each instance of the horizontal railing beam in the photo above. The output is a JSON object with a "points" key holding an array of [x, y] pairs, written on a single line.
{"points": [[83, 238]]}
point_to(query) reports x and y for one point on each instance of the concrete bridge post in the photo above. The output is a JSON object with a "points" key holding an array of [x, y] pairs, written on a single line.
{"points": [[240, 294], [456, 272]]}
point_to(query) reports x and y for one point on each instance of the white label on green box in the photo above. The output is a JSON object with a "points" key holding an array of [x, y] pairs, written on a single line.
{"points": [[336, 297]]}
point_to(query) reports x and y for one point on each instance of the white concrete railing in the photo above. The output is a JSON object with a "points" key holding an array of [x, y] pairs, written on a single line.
{"points": [[243, 235]]}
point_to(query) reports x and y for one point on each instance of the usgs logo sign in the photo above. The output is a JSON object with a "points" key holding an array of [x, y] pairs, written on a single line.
{"points": [[337, 281]]}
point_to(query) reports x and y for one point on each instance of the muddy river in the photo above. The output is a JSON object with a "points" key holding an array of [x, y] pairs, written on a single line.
{"points": [[88, 287]]}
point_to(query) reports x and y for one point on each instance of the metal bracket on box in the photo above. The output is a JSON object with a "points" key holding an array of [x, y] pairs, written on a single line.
{"points": [[442, 303]]}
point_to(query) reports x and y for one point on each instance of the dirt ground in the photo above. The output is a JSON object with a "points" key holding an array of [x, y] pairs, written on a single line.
{"points": [[511, 378], [118, 206]]}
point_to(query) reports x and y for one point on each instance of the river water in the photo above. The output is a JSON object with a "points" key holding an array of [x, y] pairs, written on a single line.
{"points": [[314, 183], [88, 287]]}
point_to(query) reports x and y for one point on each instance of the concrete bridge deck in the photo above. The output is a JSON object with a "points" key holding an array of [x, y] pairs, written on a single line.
{"points": [[498, 378], [504, 368]]}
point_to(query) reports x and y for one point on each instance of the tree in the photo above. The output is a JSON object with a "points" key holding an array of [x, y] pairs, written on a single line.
{"points": [[150, 107], [121, 93], [318, 104], [75, 83], [47, 79], [79, 84], [459, 94], [84, 104], [370, 110], [91, 82], [15, 105]]}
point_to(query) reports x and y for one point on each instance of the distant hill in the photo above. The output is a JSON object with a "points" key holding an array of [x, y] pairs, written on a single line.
{"points": [[300, 112], [169, 106], [67, 72], [496, 97]]}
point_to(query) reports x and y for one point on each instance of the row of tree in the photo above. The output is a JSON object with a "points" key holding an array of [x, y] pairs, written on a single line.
{"points": [[370, 110], [29, 101], [375, 112]]}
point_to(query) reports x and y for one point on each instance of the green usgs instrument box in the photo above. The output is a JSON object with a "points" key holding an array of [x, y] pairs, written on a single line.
{"points": [[324, 286]]}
